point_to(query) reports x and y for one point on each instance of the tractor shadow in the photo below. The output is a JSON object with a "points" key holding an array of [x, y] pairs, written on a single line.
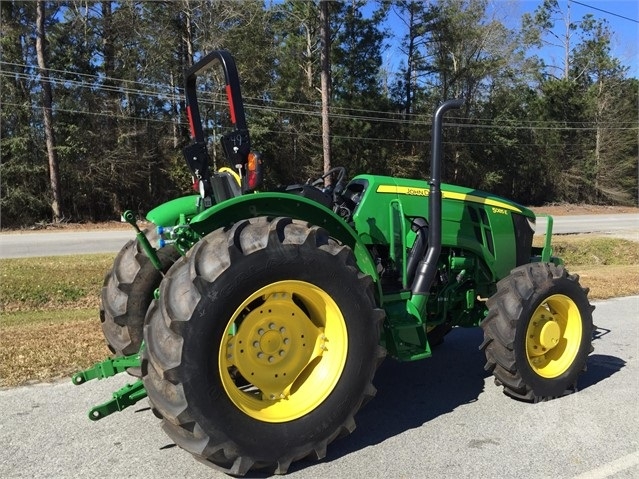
{"points": [[600, 367], [414, 393], [411, 394]]}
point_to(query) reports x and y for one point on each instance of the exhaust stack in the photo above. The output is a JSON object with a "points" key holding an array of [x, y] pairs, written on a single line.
{"points": [[428, 266]]}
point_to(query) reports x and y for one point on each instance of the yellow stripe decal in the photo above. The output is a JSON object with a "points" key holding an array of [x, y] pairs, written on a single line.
{"points": [[406, 190], [402, 190]]}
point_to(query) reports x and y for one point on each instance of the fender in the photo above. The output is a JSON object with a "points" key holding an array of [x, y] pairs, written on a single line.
{"points": [[283, 204], [169, 213]]}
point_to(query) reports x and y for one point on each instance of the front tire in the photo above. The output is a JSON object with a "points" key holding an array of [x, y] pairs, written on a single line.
{"points": [[538, 332], [262, 346]]}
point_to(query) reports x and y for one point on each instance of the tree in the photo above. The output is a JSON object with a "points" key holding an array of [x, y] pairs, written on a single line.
{"points": [[295, 148], [467, 51], [586, 137], [613, 155], [112, 116], [416, 20], [540, 30], [47, 113], [24, 197], [357, 95]]}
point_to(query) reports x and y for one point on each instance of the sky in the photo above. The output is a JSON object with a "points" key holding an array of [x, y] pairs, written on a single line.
{"points": [[621, 15]]}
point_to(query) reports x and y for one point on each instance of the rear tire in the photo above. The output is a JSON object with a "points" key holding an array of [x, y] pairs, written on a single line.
{"points": [[538, 332], [127, 292], [262, 345]]}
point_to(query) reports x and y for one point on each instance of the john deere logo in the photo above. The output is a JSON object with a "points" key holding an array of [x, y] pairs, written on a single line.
{"points": [[402, 190]]}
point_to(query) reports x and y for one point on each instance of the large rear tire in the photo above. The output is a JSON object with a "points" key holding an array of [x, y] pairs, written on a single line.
{"points": [[538, 332], [127, 292], [262, 345]]}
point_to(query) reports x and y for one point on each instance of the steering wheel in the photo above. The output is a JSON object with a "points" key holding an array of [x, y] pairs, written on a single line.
{"points": [[336, 188]]}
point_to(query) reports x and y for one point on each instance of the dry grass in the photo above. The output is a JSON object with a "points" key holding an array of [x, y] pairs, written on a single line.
{"points": [[49, 322], [609, 281], [49, 349]]}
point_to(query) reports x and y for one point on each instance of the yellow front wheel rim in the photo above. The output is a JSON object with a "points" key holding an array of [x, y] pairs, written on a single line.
{"points": [[283, 351], [553, 336]]}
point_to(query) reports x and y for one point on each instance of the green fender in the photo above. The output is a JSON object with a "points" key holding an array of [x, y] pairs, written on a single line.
{"points": [[169, 213], [283, 204]]}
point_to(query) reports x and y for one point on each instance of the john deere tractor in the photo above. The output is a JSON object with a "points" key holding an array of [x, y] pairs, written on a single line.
{"points": [[255, 321]]}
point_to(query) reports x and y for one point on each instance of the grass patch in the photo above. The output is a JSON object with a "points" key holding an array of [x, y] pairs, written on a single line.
{"points": [[28, 284], [608, 266], [590, 250], [38, 317], [49, 320], [44, 350], [609, 281]]}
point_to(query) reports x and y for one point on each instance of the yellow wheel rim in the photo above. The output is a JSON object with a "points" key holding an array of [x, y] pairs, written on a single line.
{"points": [[553, 336], [283, 352]]}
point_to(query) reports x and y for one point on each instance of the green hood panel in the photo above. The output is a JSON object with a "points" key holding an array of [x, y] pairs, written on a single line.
{"points": [[168, 214]]}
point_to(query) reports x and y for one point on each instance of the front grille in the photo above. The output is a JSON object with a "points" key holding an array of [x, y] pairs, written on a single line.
{"points": [[523, 238]]}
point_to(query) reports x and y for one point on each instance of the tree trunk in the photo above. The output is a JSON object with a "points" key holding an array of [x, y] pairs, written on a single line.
{"points": [[47, 101], [187, 38], [410, 62], [325, 85], [175, 124]]}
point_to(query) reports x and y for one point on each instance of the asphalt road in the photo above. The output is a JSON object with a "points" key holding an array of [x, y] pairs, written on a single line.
{"points": [[20, 245], [592, 224], [441, 417], [17, 245]]}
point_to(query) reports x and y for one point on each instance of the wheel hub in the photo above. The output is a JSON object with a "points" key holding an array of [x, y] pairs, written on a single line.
{"points": [[274, 345], [543, 334], [549, 335]]}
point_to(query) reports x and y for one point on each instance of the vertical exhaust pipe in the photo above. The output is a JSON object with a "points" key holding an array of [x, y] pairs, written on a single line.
{"points": [[428, 266]]}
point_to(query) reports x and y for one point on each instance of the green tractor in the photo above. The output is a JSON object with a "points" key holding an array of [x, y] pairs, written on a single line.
{"points": [[255, 321]]}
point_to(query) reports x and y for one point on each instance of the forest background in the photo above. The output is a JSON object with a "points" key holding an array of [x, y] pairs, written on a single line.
{"points": [[92, 108]]}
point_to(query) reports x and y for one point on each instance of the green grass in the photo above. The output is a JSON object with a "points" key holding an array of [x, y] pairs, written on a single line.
{"points": [[49, 316], [41, 317], [586, 250], [28, 284]]}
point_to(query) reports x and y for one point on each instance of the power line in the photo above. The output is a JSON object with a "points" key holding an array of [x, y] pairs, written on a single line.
{"points": [[301, 134], [337, 137], [605, 11], [175, 94], [469, 122]]}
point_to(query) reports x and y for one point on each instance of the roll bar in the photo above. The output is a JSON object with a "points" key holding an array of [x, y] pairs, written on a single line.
{"points": [[236, 144], [233, 94]]}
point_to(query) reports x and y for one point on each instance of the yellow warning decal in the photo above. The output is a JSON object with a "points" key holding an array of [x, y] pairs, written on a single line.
{"points": [[498, 206]]}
